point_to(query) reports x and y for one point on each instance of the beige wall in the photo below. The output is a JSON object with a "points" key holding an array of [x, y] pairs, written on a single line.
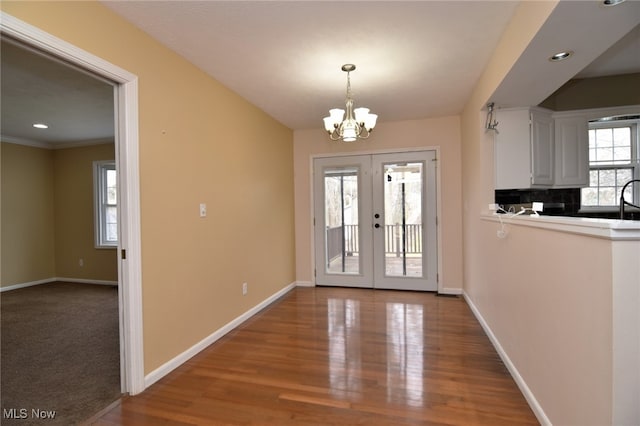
{"points": [[436, 132], [601, 92], [545, 295], [47, 219], [539, 291], [199, 143], [74, 216], [28, 237]]}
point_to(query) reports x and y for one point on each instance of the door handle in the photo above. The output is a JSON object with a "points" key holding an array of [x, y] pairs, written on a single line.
{"points": [[377, 216], [377, 225]]}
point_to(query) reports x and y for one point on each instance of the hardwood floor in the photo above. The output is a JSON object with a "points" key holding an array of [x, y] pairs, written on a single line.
{"points": [[334, 356]]}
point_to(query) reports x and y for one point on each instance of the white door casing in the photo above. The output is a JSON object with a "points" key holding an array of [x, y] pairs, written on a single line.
{"points": [[427, 259], [126, 147], [367, 262]]}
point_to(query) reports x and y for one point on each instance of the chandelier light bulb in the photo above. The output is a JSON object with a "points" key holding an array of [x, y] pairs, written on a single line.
{"points": [[370, 121], [337, 115], [328, 124], [361, 114], [349, 133], [357, 124]]}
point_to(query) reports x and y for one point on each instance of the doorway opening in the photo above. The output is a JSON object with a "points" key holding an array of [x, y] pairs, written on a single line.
{"points": [[126, 158]]}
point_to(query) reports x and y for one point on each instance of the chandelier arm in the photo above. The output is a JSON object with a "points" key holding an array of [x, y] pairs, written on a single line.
{"points": [[364, 131], [336, 134]]}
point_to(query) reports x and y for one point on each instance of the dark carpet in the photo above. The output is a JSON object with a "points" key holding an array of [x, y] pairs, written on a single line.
{"points": [[60, 353]]}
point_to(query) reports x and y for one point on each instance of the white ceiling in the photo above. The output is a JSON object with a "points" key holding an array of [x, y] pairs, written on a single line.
{"points": [[414, 59], [36, 89], [621, 58], [591, 31]]}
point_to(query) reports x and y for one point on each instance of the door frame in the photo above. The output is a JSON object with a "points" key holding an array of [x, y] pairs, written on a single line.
{"points": [[126, 149], [313, 157], [365, 278], [429, 222]]}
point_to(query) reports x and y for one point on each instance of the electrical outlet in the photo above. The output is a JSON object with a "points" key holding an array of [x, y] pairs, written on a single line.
{"points": [[245, 288], [81, 262], [203, 210]]}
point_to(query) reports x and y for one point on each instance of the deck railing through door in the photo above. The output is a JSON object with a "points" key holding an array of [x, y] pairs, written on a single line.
{"points": [[345, 243]]}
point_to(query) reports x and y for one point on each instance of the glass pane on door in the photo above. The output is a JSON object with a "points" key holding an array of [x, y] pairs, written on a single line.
{"points": [[342, 238], [403, 219]]}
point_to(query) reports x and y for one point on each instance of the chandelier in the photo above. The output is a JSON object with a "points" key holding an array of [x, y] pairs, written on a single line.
{"points": [[358, 123]]}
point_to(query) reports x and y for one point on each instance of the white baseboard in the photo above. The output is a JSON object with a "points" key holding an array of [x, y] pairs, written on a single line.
{"points": [[174, 363], [27, 284], [54, 279], [87, 281], [305, 284], [452, 291], [528, 395]]}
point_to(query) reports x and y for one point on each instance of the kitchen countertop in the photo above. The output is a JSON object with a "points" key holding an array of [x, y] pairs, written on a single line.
{"points": [[612, 229]]}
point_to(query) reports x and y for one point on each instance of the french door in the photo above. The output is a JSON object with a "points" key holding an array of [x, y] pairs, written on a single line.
{"points": [[375, 221]]}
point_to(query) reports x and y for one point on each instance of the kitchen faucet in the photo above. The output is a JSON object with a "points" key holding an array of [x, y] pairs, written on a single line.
{"points": [[622, 201]]}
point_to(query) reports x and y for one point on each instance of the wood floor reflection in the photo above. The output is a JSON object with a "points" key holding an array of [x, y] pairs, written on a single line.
{"points": [[334, 356]]}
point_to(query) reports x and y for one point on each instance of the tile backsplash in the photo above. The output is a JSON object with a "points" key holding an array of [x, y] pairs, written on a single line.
{"points": [[558, 202]]}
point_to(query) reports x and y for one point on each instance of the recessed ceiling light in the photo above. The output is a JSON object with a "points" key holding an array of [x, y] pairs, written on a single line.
{"points": [[40, 126], [612, 2], [561, 56]]}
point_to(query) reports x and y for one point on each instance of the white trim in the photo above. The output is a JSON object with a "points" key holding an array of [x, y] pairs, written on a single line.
{"points": [[55, 145], [53, 45], [595, 113], [130, 273], [26, 284], [87, 281], [100, 203], [305, 284], [450, 290], [312, 221], [529, 396], [440, 272], [54, 279], [377, 151], [440, 284], [176, 362], [24, 142], [78, 144]]}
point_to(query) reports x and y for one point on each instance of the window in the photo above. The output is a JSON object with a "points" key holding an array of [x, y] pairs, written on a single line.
{"points": [[106, 207], [613, 161]]}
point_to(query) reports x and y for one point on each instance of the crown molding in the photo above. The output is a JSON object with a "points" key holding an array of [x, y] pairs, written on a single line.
{"points": [[55, 145], [25, 142]]}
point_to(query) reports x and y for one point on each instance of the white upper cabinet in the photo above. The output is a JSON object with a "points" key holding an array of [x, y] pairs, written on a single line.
{"points": [[572, 151], [538, 148], [542, 148], [524, 149]]}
